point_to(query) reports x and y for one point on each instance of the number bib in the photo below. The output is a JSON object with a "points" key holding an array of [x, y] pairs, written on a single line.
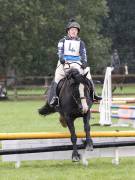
{"points": [[71, 48]]}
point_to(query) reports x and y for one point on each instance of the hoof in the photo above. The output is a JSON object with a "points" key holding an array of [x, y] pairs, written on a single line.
{"points": [[76, 158], [89, 148]]}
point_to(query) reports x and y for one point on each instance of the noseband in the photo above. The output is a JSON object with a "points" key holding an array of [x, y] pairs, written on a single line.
{"points": [[83, 97]]}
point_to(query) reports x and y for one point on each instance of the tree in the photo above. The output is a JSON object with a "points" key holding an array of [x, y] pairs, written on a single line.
{"points": [[30, 30], [120, 27]]}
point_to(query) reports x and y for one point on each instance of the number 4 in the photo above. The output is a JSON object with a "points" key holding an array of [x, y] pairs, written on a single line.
{"points": [[71, 48]]}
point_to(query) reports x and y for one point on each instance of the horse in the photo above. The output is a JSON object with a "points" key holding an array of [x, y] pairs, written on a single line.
{"points": [[118, 76], [74, 101]]}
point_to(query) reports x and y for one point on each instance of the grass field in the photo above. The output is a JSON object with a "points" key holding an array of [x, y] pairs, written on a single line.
{"points": [[127, 89], [22, 116]]}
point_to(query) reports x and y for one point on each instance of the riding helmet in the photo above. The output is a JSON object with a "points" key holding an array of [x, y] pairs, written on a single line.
{"points": [[73, 24]]}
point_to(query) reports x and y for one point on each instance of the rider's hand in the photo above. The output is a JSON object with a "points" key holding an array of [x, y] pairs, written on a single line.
{"points": [[62, 61], [84, 64]]}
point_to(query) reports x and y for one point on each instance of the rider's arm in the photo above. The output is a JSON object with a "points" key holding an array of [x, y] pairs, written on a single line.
{"points": [[61, 51], [83, 54]]}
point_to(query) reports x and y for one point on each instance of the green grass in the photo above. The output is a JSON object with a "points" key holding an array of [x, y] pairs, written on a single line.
{"points": [[22, 116], [127, 89], [98, 169]]}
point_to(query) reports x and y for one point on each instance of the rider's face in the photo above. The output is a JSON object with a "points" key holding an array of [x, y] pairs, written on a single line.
{"points": [[73, 32]]}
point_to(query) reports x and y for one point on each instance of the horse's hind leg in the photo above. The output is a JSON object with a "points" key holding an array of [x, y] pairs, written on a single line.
{"points": [[89, 142], [75, 154]]}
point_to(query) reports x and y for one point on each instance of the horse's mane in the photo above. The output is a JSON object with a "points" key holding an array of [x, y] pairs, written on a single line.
{"points": [[73, 76], [72, 73]]}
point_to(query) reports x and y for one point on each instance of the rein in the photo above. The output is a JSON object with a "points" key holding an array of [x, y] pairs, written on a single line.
{"points": [[76, 99]]}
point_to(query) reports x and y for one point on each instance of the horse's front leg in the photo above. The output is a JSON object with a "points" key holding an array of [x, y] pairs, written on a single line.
{"points": [[75, 154], [89, 142]]}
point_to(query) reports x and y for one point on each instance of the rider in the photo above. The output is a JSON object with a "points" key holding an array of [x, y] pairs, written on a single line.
{"points": [[115, 60], [70, 49]]}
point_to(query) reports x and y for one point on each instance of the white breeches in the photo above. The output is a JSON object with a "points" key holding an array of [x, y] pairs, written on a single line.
{"points": [[62, 69]]}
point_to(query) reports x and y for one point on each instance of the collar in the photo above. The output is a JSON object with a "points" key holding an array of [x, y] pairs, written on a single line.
{"points": [[69, 38]]}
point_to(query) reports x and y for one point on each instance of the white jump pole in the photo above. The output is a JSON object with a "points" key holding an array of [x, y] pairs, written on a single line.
{"points": [[106, 102]]}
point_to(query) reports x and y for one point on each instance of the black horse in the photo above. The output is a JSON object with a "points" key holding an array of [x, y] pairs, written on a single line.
{"points": [[118, 76], [74, 101]]}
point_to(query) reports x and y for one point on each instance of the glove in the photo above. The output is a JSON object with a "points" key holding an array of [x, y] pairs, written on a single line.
{"points": [[62, 61], [84, 64]]}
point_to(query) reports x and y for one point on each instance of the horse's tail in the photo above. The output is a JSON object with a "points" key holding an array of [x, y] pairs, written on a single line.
{"points": [[46, 110]]}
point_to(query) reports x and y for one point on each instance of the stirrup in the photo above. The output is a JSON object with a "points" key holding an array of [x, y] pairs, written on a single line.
{"points": [[54, 102]]}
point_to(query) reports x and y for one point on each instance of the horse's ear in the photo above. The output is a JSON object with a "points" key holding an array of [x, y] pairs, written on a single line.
{"points": [[85, 74]]}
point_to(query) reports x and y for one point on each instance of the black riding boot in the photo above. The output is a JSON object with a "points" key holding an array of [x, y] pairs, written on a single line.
{"points": [[97, 98], [94, 96], [54, 100]]}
